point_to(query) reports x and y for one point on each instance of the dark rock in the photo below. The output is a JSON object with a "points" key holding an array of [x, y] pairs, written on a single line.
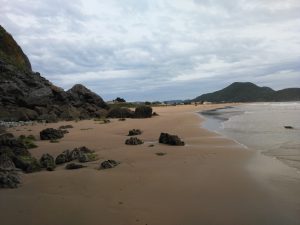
{"points": [[155, 114], [47, 162], [80, 95], [134, 132], [28, 141], [74, 166], [51, 133], [28, 163], [288, 127], [6, 164], [120, 112], [143, 111], [15, 146], [160, 153], [65, 127], [9, 179], [87, 157], [108, 164], [82, 154], [169, 139], [133, 141], [64, 157]]}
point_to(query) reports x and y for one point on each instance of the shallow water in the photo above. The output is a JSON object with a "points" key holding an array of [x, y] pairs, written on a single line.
{"points": [[261, 126]]}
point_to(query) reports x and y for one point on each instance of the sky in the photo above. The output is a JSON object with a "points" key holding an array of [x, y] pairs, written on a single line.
{"points": [[158, 49]]}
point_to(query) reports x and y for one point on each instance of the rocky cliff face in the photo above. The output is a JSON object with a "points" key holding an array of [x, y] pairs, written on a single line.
{"points": [[26, 95]]}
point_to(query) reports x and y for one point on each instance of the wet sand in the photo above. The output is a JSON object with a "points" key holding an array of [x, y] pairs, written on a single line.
{"points": [[211, 180]]}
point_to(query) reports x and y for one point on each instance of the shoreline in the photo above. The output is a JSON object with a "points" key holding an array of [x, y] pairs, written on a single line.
{"points": [[206, 182]]}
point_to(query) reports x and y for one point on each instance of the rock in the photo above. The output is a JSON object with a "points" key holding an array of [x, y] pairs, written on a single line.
{"points": [[120, 112], [134, 132], [87, 157], [133, 141], [109, 164], [80, 95], [47, 162], [9, 179], [169, 139], [74, 166], [288, 127], [83, 154], [6, 164], [160, 153], [51, 133], [155, 114], [143, 111], [28, 163], [64, 157], [63, 127], [28, 141], [15, 146]]}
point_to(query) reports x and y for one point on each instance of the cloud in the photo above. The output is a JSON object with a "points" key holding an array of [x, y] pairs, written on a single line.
{"points": [[158, 49]]}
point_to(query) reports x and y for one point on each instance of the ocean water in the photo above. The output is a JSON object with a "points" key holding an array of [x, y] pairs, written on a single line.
{"points": [[261, 126]]}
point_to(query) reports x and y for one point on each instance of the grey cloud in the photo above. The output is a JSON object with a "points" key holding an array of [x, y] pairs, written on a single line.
{"points": [[158, 49]]}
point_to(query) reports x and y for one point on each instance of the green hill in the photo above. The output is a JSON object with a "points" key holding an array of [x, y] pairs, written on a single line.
{"points": [[249, 92]]}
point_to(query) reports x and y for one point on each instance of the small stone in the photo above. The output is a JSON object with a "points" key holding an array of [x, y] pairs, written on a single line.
{"points": [[108, 164], [74, 166]]}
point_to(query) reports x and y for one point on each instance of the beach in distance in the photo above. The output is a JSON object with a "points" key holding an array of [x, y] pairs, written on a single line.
{"points": [[212, 179]]}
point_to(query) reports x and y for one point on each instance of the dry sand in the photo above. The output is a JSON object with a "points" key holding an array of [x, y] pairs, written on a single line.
{"points": [[211, 180]]}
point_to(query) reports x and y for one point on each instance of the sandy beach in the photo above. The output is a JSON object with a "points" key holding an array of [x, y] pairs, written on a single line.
{"points": [[210, 180]]}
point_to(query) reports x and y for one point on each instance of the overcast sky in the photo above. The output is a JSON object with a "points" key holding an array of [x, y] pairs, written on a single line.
{"points": [[158, 49]]}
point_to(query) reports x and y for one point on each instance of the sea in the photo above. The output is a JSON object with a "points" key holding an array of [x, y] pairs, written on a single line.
{"points": [[271, 128]]}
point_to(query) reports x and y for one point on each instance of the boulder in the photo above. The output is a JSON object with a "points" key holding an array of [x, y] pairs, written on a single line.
{"points": [[120, 112], [6, 164], [108, 164], [63, 127], [87, 157], [169, 139], [74, 166], [51, 134], [143, 111], [9, 179], [64, 157], [17, 147], [134, 132], [28, 163], [47, 162], [133, 141], [82, 154], [80, 95]]}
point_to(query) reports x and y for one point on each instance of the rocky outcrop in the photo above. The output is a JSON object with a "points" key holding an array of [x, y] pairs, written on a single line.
{"points": [[26, 95], [133, 141], [169, 139], [51, 134]]}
